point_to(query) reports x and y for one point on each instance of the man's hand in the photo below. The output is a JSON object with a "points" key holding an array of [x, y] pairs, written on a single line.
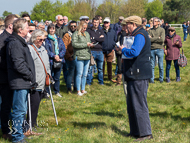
{"points": [[121, 47], [149, 36], [102, 36], [117, 49]]}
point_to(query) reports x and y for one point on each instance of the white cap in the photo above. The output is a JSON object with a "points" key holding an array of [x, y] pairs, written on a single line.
{"points": [[83, 17], [107, 20]]}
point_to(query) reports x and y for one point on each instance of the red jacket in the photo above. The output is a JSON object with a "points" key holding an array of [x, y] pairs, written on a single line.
{"points": [[173, 50]]}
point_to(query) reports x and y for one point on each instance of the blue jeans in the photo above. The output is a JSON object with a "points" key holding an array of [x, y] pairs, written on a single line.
{"points": [[168, 65], [65, 71], [81, 73], [160, 54], [20, 98], [70, 74], [55, 73], [185, 36], [99, 58]]}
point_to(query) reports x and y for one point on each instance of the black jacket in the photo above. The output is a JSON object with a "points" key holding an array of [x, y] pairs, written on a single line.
{"points": [[3, 62], [139, 68], [20, 65], [95, 37], [110, 39]]}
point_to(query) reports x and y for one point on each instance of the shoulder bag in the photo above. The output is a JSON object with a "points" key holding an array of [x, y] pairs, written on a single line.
{"points": [[47, 74], [182, 60]]}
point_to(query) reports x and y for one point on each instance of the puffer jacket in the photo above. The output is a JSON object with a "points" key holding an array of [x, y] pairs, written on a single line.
{"points": [[68, 45], [79, 43], [51, 53], [39, 68], [173, 50], [20, 65]]}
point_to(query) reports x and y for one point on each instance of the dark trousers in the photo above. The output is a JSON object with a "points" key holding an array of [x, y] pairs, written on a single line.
{"points": [[35, 98], [119, 63], [168, 65], [7, 99], [137, 108]]}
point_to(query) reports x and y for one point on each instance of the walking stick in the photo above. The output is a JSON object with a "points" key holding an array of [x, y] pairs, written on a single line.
{"points": [[30, 118], [53, 105]]}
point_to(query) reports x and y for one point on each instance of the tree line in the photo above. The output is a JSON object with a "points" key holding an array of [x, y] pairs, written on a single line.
{"points": [[172, 11]]}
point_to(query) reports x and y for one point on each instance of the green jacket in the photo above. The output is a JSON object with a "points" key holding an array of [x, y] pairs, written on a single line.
{"points": [[157, 37], [60, 31], [79, 43]]}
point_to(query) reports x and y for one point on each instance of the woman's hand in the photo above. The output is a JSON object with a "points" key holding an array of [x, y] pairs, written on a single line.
{"points": [[57, 58], [177, 43], [121, 47], [90, 44], [165, 52]]}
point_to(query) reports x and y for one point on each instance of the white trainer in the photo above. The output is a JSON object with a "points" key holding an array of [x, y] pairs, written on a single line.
{"points": [[85, 92], [80, 94], [58, 94]]}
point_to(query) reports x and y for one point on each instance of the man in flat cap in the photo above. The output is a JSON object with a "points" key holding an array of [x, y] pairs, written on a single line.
{"points": [[117, 27], [137, 72]]}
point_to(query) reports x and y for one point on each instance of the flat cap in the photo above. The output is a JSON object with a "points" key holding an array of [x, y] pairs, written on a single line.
{"points": [[121, 17], [134, 19], [171, 28]]}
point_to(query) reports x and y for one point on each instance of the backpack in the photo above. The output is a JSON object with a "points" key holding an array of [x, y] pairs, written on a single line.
{"points": [[182, 60]]}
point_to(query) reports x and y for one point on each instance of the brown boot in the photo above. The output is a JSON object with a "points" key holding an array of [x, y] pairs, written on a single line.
{"points": [[31, 133], [119, 77]]}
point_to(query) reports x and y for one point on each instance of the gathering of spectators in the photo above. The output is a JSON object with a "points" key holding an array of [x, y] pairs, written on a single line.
{"points": [[31, 49]]}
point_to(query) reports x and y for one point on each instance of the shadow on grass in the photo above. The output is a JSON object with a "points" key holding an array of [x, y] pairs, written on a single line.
{"points": [[166, 115], [117, 130], [105, 113], [88, 125]]}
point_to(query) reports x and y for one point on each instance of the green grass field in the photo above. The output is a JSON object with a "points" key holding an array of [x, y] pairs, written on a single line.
{"points": [[101, 115]]}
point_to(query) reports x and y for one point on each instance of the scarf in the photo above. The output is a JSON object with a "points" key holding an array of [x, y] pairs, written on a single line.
{"points": [[54, 38], [171, 36]]}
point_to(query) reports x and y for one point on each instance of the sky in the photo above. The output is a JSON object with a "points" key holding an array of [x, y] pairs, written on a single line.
{"points": [[16, 6]]}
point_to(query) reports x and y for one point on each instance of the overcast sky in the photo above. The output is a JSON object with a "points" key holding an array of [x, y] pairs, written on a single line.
{"points": [[16, 6]]}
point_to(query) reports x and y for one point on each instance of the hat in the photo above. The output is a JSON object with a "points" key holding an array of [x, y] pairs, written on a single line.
{"points": [[134, 19], [121, 17], [83, 17], [17, 15], [171, 28], [107, 20], [123, 22]]}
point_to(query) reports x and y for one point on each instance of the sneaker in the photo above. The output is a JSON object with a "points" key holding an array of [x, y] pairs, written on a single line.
{"points": [[167, 79], [80, 94], [178, 79], [58, 94], [85, 92]]}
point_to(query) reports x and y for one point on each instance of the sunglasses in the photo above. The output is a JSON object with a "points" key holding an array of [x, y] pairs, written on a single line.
{"points": [[86, 19], [60, 19], [171, 30], [73, 26], [105, 22], [41, 40], [31, 31]]}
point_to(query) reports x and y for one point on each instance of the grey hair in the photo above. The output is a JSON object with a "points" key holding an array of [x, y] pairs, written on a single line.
{"points": [[65, 17], [41, 23], [35, 34], [56, 18]]}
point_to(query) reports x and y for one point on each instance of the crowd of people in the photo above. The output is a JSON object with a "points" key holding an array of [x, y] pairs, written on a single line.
{"points": [[30, 49]]}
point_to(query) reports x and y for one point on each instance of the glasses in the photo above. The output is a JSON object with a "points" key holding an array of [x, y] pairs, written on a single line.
{"points": [[105, 22], [86, 19], [60, 19], [41, 40], [171, 30], [73, 26], [156, 21]]}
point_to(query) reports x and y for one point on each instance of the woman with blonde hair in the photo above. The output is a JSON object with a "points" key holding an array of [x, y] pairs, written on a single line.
{"points": [[81, 44]]}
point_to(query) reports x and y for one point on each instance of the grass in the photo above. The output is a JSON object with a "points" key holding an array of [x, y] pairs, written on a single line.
{"points": [[101, 115]]}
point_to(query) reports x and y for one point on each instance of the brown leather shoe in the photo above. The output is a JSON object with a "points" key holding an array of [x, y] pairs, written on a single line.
{"points": [[143, 138], [7, 137], [31, 133]]}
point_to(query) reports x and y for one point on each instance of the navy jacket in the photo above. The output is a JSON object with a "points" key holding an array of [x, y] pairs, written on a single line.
{"points": [[110, 39], [139, 68], [95, 37], [51, 53], [3, 62], [20, 65], [117, 27]]}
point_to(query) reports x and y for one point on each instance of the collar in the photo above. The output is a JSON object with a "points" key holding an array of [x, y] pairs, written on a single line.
{"points": [[21, 39], [136, 30]]}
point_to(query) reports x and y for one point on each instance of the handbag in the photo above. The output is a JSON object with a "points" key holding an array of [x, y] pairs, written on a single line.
{"points": [[92, 61], [47, 83], [57, 64], [182, 60]]}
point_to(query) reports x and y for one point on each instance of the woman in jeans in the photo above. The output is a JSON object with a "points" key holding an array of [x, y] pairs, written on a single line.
{"points": [[56, 51], [36, 48], [81, 45], [172, 52]]}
